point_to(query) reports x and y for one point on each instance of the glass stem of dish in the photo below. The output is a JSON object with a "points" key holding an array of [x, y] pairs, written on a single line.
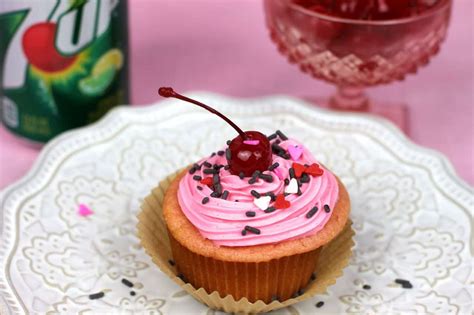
{"points": [[350, 98]]}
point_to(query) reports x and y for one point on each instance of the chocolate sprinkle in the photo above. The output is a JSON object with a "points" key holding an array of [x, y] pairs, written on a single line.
{"points": [[252, 229], [197, 177], [226, 167], [286, 156], [127, 283], [132, 293], [319, 304], [327, 209], [266, 177], [220, 153], [210, 171], [244, 232], [207, 164], [225, 194], [171, 262], [304, 178], [96, 296], [199, 187], [216, 179], [366, 287], [250, 214], [218, 188], [401, 281], [192, 170], [197, 166], [287, 181], [241, 175], [277, 141], [311, 212], [276, 149], [215, 194], [205, 200], [228, 142], [228, 154], [291, 171], [269, 210], [272, 136], [255, 175], [255, 193], [281, 135], [213, 154], [405, 283], [273, 166]]}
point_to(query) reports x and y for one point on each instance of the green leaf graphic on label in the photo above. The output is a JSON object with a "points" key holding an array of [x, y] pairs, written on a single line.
{"points": [[75, 4], [97, 84]]}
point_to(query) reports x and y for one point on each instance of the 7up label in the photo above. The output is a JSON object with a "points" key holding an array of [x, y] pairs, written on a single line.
{"points": [[63, 63]]}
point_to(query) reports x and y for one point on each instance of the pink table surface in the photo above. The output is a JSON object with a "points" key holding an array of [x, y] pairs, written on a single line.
{"points": [[223, 46]]}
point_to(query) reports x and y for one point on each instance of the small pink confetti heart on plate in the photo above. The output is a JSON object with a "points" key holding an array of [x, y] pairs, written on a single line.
{"points": [[295, 152], [252, 142], [84, 211]]}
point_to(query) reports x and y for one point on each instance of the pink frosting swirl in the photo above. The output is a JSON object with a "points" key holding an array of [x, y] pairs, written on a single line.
{"points": [[222, 221]]}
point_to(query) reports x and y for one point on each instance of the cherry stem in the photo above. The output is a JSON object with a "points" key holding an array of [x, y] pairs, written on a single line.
{"points": [[169, 92]]}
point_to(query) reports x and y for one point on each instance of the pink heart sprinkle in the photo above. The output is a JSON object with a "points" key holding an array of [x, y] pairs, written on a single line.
{"points": [[252, 142], [295, 152], [84, 210]]}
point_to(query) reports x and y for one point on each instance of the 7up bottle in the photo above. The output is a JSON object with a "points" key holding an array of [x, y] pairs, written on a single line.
{"points": [[63, 63]]}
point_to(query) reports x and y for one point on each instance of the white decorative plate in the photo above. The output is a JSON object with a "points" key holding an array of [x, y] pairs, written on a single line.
{"points": [[411, 213]]}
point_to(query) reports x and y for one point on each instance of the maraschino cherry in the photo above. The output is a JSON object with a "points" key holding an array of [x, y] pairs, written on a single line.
{"points": [[249, 152]]}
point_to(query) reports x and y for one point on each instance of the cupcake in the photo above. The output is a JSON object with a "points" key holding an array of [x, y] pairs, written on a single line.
{"points": [[251, 219]]}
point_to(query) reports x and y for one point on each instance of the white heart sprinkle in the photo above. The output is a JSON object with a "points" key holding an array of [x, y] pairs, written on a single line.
{"points": [[292, 187], [262, 202]]}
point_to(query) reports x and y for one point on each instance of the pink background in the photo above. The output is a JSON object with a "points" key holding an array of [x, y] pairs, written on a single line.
{"points": [[223, 46]]}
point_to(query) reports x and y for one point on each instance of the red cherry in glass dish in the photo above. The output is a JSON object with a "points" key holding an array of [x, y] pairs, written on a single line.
{"points": [[250, 151]]}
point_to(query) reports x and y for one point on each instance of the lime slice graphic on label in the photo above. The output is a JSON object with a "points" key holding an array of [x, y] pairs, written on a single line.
{"points": [[96, 85], [113, 57]]}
